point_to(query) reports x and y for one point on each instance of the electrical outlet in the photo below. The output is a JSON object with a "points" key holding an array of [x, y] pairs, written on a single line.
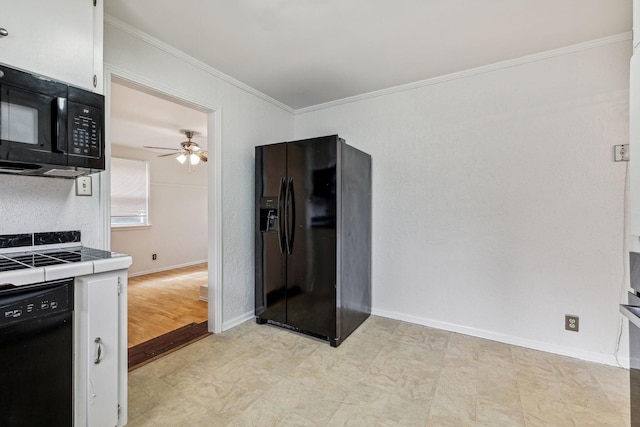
{"points": [[154, 257], [571, 322], [621, 153]]}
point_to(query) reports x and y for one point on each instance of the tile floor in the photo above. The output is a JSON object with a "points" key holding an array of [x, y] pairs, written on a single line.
{"points": [[388, 373]]}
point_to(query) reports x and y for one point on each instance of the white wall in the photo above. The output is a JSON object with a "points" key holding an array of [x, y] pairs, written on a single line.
{"points": [[177, 213], [497, 207], [33, 204], [247, 121]]}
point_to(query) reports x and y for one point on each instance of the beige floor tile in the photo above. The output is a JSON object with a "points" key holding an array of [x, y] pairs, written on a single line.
{"points": [[353, 416], [499, 412], [450, 405], [387, 373], [406, 412]]}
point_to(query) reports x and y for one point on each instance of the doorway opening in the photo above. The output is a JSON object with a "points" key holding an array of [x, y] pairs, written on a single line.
{"points": [[175, 256]]}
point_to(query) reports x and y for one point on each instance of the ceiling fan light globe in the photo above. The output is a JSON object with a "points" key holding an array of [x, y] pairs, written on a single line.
{"points": [[194, 159], [181, 158]]}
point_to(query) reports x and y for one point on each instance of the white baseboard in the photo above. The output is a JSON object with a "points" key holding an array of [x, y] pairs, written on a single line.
{"points": [[228, 324], [204, 293], [171, 267], [591, 356]]}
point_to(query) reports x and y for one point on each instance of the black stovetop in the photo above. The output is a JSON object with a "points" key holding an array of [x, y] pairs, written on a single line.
{"points": [[46, 257]]}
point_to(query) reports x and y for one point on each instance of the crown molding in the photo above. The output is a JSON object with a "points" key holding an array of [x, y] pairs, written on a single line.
{"points": [[116, 23], [567, 50]]}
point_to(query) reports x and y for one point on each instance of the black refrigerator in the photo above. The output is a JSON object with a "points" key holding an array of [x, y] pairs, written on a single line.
{"points": [[313, 237]]}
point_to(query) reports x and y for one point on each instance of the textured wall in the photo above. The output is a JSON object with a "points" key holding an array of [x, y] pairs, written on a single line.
{"points": [[247, 121], [32, 204], [497, 207]]}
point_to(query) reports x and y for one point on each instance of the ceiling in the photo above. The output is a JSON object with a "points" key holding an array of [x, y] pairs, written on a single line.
{"points": [[307, 52], [139, 118]]}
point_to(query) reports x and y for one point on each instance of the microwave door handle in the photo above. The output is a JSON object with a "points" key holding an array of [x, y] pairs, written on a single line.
{"points": [[60, 121]]}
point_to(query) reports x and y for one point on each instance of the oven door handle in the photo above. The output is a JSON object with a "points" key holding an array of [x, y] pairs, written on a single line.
{"points": [[98, 342]]}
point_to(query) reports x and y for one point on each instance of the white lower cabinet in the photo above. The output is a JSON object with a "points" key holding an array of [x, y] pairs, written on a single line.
{"points": [[101, 350]]}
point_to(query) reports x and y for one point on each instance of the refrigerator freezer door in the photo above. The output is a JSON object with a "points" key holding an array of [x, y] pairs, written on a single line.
{"points": [[311, 266], [270, 269]]}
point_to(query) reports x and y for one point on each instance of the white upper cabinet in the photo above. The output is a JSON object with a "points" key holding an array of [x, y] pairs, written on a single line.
{"points": [[57, 39], [634, 143], [634, 129], [636, 24]]}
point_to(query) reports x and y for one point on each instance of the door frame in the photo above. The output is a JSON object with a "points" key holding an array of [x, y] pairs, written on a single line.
{"points": [[214, 179]]}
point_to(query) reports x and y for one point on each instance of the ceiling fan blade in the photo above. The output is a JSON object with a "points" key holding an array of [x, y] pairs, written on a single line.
{"points": [[167, 155], [202, 155], [161, 148]]}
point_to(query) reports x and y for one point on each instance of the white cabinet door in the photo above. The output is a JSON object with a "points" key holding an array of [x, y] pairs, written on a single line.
{"points": [[636, 23], [100, 320], [51, 38], [103, 325], [634, 144]]}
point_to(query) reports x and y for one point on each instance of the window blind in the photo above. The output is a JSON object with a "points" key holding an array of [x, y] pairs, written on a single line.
{"points": [[129, 191]]}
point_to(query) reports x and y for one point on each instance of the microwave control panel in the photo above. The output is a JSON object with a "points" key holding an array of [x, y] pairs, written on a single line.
{"points": [[84, 130]]}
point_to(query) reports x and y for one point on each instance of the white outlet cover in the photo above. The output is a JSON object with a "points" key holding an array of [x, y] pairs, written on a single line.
{"points": [[83, 186], [621, 153]]}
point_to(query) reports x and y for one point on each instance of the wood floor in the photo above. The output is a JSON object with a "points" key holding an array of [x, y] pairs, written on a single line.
{"points": [[165, 301]]}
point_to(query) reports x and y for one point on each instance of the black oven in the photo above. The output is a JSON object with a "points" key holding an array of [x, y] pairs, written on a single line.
{"points": [[49, 128], [36, 354]]}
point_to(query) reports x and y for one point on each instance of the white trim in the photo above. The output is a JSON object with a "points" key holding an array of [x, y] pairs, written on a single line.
{"points": [[176, 185], [214, 200], [232, 323], [214, 179], [591, 356], [171, 267], [127, 227], [474, 71], [104, 182], [114, 22]]}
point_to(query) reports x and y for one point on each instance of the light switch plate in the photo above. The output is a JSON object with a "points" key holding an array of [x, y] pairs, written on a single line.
{"points": [[83, 186]]}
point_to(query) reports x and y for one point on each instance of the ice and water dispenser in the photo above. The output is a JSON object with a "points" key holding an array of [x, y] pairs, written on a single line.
{"points": [[269, 214]]}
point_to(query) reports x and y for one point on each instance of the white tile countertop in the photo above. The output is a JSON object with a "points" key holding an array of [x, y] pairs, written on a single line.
{"points": [[27, 265]]}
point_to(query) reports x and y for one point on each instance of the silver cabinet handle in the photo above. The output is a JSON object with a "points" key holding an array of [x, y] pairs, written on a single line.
{"points": [[3, 32], [98, 342]]}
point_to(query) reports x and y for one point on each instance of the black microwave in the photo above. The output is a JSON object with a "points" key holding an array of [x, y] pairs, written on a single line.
{"points": [[49, 128]]}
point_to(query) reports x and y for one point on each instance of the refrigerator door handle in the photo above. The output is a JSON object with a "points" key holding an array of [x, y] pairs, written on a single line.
{"points": [[281, 219], [291, 217], [292, 220], [286, 216]]}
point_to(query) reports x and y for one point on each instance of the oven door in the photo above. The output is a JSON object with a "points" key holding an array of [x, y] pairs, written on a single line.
{"points": [[36, 355], [32, 119]]}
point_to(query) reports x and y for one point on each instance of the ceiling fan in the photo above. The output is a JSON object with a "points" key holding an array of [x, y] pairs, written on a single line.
{"points": [[188, 150]]}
